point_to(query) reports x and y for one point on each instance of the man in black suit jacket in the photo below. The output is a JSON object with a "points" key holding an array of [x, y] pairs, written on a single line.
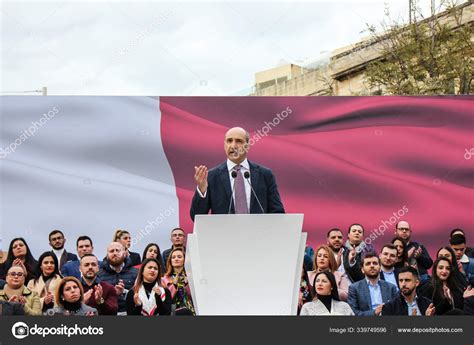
{"points": [[57, 242], [214, 187], [408, 303]]}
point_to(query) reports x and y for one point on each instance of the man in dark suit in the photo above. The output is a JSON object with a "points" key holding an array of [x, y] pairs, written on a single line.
{"points": [[367, 296], [214, 187], [407, 303], [57, 242], [388, 258]]}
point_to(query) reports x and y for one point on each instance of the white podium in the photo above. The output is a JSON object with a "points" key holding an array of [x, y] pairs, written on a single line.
{"points": [[245, 264]]}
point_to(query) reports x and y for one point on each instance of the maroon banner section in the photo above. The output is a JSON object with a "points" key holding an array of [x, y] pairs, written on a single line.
{"points": [[340, 160]]}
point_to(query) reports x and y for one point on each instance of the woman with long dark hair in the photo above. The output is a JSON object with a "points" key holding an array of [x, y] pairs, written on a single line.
{"points": [[449, 253], [46, 282], [19, 253], [402, 252], [326, 297], [152, 251], [443, 289], [176, 281], [148, 297]]}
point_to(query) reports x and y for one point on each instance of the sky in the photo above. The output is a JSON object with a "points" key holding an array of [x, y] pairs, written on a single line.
{"points": [[180, 48]]}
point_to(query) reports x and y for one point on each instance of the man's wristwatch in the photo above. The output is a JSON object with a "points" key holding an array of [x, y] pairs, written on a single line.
{"points": [[101, 301]]}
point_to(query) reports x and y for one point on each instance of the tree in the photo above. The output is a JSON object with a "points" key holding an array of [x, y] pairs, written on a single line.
{"points": [[433, 56]]}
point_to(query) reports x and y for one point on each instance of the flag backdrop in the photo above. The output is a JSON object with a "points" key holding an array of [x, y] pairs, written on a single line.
{"points": [[101, 163]]}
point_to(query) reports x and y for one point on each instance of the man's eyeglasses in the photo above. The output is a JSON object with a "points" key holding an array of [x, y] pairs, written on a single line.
{"points": [[16, 274], [403, 229]]}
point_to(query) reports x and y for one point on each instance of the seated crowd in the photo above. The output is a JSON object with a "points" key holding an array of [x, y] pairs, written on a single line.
{"points": [[337, 278]]}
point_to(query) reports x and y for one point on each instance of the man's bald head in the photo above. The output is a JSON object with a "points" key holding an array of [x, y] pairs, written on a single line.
{"points": [[115, 253], [403, 230], [236, 144]]}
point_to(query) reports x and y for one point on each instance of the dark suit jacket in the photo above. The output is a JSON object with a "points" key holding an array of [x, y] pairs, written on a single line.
{"points": [[9, 308], [219, 192], [67, 257], [359, 296], [398, 306], [135, 258]]}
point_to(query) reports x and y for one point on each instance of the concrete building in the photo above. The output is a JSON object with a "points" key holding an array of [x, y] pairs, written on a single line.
{"points": [[343, 75]]}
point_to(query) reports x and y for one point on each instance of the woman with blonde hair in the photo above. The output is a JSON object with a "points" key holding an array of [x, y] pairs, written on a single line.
{"points": [[324, 261], [176, 281], [123, 237], [15, 291]]}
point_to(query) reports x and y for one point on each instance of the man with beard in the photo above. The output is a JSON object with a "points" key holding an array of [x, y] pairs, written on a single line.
{"points": [[367, 296], [388, 258], [97, 294], [408, 303], [334, 240], [57, 242], [117, 269], [355, 249]]}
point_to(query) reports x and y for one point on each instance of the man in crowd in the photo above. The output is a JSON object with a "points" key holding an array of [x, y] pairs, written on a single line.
{"points": [[367, 296], [388, 258], [214, 187], [178, 239], [117, 270], [334, 240], [57, 242], [97, 294], [355, 248], [469, 250], [408, 303], [83, 246], [417, 254], [466, 264]]}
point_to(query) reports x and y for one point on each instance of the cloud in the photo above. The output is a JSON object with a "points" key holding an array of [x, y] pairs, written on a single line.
{"points": [[162, 48]]}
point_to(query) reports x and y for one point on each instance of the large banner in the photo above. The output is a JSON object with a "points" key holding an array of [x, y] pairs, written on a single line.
{"points": [[90, 165]]}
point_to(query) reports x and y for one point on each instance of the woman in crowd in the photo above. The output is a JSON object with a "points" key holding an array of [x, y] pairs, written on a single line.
{"points": [[16, 291], [19, 254], [460, 278], [47, 281], [176, 281], [69, 298], [443, 289], [326, 297], [152, 251], [324, 261], [402, 252], [123, 237], [148, 297]]}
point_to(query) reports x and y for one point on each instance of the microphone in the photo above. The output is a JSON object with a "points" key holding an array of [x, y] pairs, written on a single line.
{"points": [[247, 177], [234, 175]]}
